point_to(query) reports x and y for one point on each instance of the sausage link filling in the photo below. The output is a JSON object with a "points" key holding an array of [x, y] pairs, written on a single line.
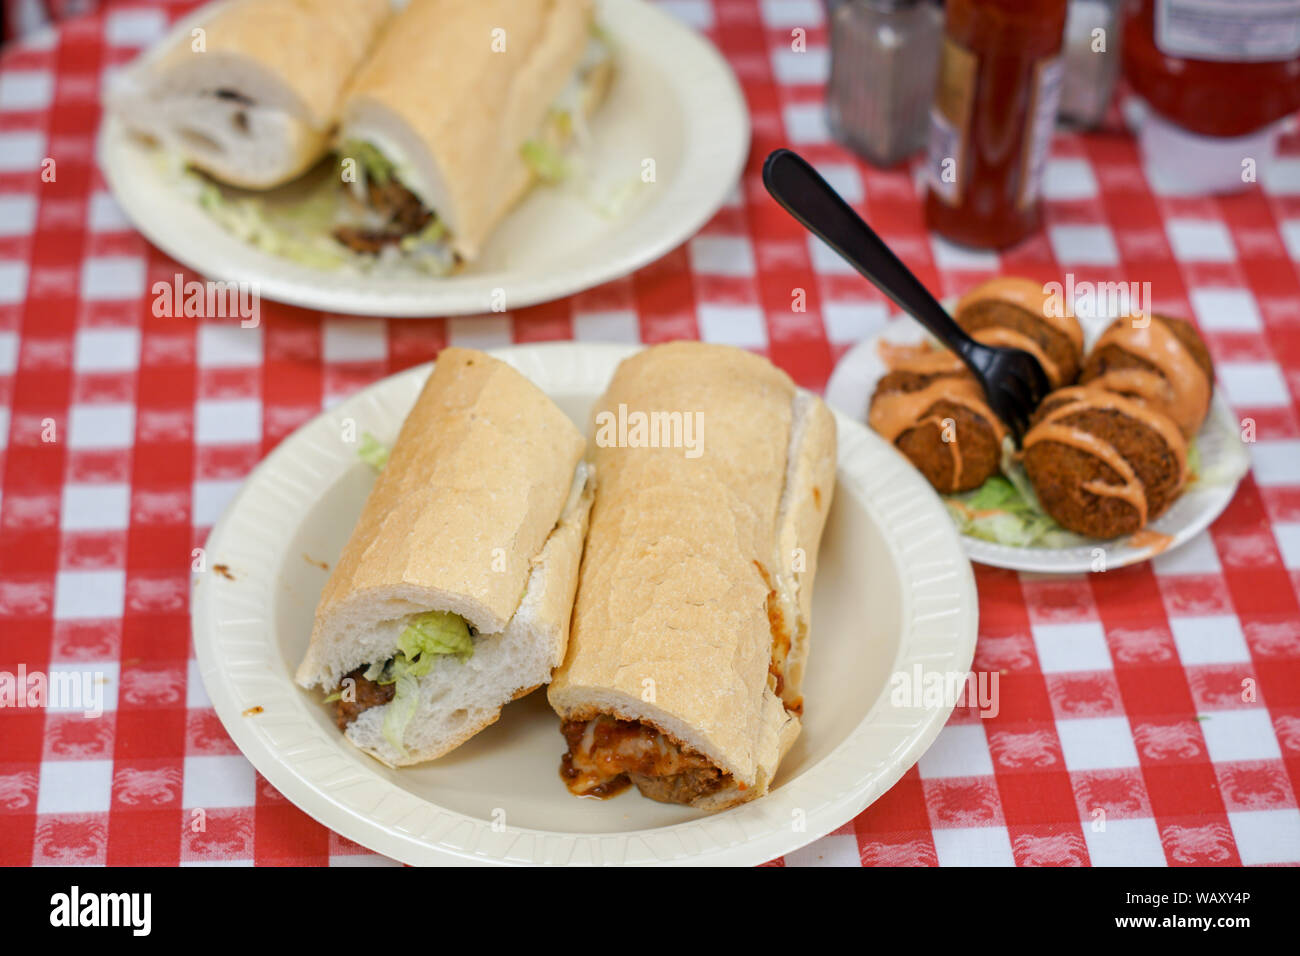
{"points": [[367, 694], [607, 754], [405, 213], [780, 635]]}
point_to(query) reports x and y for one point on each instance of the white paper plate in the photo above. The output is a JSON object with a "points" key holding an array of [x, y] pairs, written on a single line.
{"points": [[674, 100], [854, 380], [894, 593]]}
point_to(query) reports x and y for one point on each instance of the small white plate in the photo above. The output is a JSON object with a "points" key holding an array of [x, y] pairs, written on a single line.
{"points": [[894, 595], [674, 100], [854, 381]]}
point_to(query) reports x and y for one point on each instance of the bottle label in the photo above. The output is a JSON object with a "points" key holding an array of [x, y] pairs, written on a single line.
{"points": [[950, 125], [1237, 30], [1049, 76], [954, 97]]}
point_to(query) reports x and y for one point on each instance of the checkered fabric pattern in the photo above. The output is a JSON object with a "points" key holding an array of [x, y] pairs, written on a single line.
{"points": [[1161, 700], [20, 17]]}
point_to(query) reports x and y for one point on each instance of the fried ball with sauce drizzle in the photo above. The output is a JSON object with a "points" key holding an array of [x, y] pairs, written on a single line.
{"points": [[1101, 464], [1020, 314], [933, 410], [1157, 361]]}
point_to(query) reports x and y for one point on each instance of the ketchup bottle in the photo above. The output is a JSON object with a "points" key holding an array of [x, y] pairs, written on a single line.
{"points": [[1215, 67], [992, 120]]}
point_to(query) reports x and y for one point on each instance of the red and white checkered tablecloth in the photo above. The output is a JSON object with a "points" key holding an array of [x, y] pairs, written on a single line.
{"points": [[1163, 699]]}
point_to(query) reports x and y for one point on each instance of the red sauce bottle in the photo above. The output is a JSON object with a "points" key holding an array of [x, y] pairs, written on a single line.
{"points": [[1214, 67], [992, 120]]}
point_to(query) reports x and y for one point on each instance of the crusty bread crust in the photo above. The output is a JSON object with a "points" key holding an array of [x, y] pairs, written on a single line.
{"points": [[312, 46], [286, 61], [477, 480], [671, 621], [809, 490], [538, 631], [462, 107]]}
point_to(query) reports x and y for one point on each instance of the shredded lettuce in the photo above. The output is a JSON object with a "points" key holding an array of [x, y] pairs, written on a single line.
{"points": [[373, 452], [400, 710], [614, 203], [602, 37], [301, 227], [433, 633], [299, 236], [435, 233], [997, 511], [546, 162], [560, 121], [430, 249], [1006, 511], [374, 164], [425, 638], [1193, 462]]}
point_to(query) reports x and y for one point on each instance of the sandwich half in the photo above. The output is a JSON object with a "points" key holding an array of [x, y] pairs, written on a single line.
{"points": [[453, 595], [462, 107], [690, 630], [250, 95]]}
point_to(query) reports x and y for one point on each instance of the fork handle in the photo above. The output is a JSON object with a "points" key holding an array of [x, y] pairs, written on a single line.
{"points": [[807, 197]]}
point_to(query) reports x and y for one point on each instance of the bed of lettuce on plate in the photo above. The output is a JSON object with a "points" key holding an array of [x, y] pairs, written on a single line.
{"points": [[1005, 510]]}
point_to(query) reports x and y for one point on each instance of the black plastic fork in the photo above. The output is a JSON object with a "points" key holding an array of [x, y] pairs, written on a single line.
{"points": [[1012, 379]]}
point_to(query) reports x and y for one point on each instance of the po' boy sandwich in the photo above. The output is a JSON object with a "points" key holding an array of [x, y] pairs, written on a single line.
{"points": [[250, 96], [464, 104], [453, 595], [691, 625]]}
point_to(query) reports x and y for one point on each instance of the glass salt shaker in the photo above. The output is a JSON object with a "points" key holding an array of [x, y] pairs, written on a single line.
{"points": [[1092, 60], [884, 61]]}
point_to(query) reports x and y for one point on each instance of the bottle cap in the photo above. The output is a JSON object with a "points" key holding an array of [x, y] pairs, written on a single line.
{"points": [[1181, 163]]}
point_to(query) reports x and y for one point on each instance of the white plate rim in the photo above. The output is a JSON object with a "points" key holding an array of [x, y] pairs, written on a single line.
{"points": [[716, 148], [849, 390], [231, 621]]}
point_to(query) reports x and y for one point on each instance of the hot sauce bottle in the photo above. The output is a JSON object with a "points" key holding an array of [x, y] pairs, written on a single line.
{"points": [[1219, 78], [991, 123], [1215, 67]]}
